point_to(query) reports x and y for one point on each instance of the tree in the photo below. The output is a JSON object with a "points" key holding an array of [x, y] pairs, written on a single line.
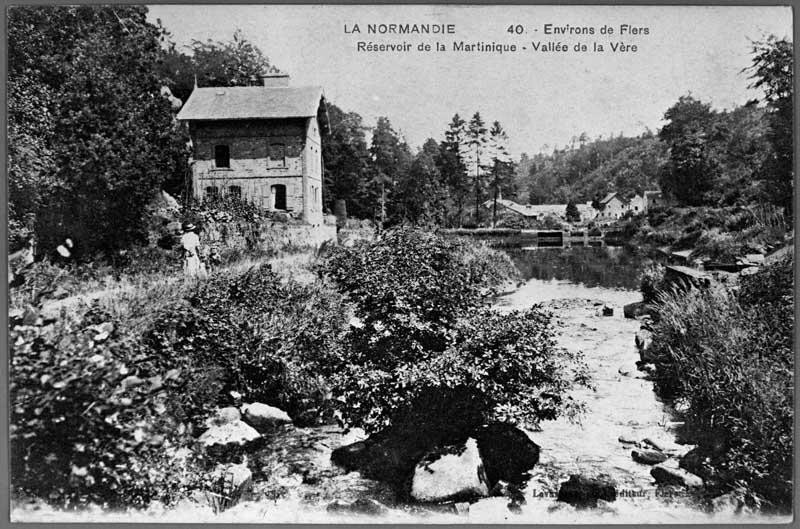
{"points": [[772, 70], [390, 157], [475, 158], [691, 170], [346, 157], [690, 173], [111, 136], [572, 213], [237, 62], [502, 166], [419, 197], [453, 171]]}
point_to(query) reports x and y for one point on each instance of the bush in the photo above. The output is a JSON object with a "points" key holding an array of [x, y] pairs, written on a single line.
{"points": [[91, 416], [426, 352], [652, 282], [730, 357], [252, 333]]}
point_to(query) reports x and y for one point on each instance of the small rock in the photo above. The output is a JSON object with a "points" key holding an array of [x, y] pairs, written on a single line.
{"points": [[643, 339], [625, 371], [235, 481], [262, 416], [628, 440], [584, 492], [608, 311], [634, 310], [670, 475], [234, 433], [450, 476], [697, 462], [730, 503], [224, 416], [363, 506], [648, 457]]}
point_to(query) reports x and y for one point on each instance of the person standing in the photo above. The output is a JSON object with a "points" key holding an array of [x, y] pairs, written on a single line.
{"points": [[190, 246]]}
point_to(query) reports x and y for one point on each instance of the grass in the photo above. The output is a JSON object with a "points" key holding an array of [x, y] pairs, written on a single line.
{"points": [[729, 355]]}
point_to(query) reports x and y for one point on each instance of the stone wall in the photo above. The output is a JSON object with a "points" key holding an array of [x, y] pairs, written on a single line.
{"points": [[269, 236]]}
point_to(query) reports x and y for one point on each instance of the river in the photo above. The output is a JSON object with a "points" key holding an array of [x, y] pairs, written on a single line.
{"points": [[295, 480]]}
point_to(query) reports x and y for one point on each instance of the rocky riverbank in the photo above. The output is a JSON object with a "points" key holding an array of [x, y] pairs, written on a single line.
{"points": [[624, 434]]}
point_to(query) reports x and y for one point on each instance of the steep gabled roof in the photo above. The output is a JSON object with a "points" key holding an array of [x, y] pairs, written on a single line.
{"points": [[252, 102], [610, 196]]}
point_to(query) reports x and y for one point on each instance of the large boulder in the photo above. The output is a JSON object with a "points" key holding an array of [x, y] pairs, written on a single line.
{"points": [[264, 417], [507, 452], [392, 454], [453, 473], [584, 492]]}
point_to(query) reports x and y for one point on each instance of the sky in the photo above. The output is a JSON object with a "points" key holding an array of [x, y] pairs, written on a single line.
{"points": [[542, 99]]}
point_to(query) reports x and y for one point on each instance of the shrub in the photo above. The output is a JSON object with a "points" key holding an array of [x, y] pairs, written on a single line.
{"points": [[425, 352], [91, 416], [253, 333], [731, 358], [652, 282]]}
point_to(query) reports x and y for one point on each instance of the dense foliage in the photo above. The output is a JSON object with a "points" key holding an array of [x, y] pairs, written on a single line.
{"points": [[107, 402], [255, 334], [93, 137], [93, 413], [729, 356], [423, 348]]}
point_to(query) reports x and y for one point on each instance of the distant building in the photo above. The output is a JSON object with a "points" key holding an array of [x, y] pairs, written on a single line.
{"points": [[540, 211], [653, 199], [259, 143], [612, 207]]}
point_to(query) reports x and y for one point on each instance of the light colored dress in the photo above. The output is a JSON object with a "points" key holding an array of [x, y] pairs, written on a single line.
{"points": [[190, 243]]}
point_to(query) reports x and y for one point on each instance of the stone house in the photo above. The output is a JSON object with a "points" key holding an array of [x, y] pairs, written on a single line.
{"points": [[613, 207], [261, 144]]}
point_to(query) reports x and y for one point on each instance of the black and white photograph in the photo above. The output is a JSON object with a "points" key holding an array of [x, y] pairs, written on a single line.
{"points": [[418, 264]]}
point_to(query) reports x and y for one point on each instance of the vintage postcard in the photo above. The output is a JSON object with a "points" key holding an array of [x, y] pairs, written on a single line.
{"points": [[400, 263]]}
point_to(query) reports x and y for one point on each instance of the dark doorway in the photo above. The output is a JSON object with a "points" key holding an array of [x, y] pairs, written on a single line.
{"points": [[279, 196]]}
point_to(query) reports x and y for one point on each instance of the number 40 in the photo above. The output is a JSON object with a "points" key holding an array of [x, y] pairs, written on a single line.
{"points": [[518, 29]]}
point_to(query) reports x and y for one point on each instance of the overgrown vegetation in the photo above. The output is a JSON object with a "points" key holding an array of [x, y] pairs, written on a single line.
{"points": [[424, 349], [105, 401], [728, 355]]}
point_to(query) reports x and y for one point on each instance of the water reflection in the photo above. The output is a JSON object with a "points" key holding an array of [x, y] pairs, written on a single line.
{"points": [[613, 267]]}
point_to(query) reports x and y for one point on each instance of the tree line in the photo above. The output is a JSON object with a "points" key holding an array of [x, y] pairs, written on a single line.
{"points": [[92, 138], [700, 157]]}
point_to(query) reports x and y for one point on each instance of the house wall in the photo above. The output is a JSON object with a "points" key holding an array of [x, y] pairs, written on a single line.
{"points": [[614, 209], [312, 156], [636, 204], [250, 168]]}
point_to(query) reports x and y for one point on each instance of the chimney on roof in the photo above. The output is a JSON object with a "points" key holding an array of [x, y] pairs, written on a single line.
{"points": [[274, 79]]}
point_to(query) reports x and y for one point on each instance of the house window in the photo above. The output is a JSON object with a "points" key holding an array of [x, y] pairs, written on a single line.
{"points": [[277, 155], [222, 156], [279, 196], [235, 192], [212, 192]]}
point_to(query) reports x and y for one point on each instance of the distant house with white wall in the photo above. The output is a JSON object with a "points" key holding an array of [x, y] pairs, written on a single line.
{"points": [[261, 144], [612, 207], [540, 211]]}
